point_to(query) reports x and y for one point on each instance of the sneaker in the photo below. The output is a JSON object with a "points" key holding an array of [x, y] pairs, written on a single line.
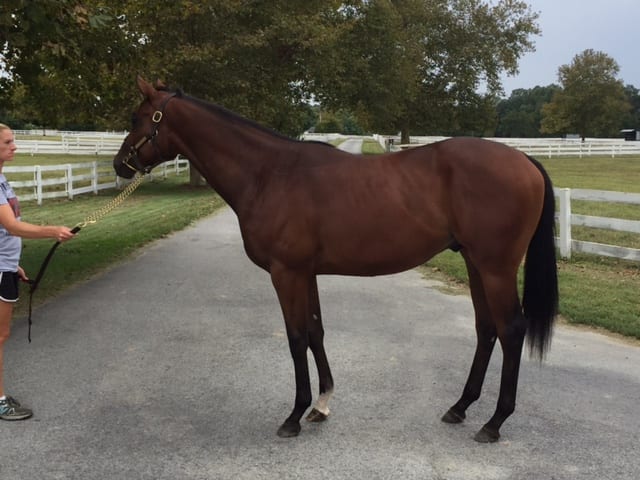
{"points": [[10, 409]]}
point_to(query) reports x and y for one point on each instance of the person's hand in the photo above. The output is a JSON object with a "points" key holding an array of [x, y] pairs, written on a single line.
{"points": [[64, 234], [22, 275]]}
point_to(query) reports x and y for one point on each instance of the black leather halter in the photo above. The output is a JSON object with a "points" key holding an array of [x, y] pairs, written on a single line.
{"points": [[132, 161]]}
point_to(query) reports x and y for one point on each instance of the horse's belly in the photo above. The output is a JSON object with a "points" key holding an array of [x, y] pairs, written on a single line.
{"points": [[379, 255]]}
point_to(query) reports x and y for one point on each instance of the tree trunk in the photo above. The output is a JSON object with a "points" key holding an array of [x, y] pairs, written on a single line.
{"points": [[404, 136]]}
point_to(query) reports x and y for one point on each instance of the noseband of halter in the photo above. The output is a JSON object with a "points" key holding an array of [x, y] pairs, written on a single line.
{"points": [[132, 161]]}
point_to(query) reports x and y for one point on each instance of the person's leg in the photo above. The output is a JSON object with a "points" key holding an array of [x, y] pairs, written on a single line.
{"points": [[6, 310], [10, 409]]}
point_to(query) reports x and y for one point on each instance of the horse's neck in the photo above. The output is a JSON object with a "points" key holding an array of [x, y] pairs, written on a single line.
{"points": [[233, 158]]}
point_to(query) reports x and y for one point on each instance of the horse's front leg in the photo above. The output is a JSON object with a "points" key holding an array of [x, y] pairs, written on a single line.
{"points": [[320, 410], [292, 288]]}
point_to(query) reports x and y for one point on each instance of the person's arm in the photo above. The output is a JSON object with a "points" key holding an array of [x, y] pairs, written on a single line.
{"points": [[28, 230]]}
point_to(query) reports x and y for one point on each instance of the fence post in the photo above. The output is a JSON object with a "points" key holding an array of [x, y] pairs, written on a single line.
{"points": [[94, 176], [564, 220], [38, 178], [69, 173]]}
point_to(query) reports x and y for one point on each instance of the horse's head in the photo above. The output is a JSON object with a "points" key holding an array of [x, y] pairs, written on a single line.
{"points": [[143, 148]]}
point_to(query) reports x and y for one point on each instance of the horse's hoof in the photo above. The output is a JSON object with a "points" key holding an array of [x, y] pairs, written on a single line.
{"points": [[486, 436], [316, 416], [289, 429], [453, 417]]}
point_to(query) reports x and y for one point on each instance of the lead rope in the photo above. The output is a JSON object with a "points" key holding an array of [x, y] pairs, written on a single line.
{"points": [[90, 220]]}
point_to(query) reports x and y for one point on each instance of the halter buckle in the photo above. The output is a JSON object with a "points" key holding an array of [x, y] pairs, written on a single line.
{"points": [[157, 116]]}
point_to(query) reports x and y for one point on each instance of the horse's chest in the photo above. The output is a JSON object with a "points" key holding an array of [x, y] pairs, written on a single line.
{"points": [[288, 244]]}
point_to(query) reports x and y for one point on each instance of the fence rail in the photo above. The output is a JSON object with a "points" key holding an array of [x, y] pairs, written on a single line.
{"points": [[566, 219], [68, 180], [580, 149], [550, 147], [73, 144]]}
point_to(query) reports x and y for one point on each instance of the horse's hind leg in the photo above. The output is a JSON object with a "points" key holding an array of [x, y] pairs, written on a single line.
{"points": [[512, 328], [502, 298], [486, 338], [320, 411]]}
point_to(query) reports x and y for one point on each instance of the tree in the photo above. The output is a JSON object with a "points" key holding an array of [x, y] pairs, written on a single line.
{"points": [[632, 119], [46, 58], [521, 114], [410, 65], [592, 101], [416, 65], [341, 121], [79, 68], [251, 57]]}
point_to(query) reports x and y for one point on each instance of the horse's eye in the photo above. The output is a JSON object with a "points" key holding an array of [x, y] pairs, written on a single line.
{"points": [[134, 119]]}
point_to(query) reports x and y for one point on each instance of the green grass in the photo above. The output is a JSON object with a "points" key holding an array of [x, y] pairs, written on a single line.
{"points": [[598, 173], [153, 211], [371, 147], [596, 291], [47, 138], [24, 159]]}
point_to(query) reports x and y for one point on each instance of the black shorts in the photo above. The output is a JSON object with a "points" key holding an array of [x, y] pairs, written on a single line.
{"points": [[9, 286]]}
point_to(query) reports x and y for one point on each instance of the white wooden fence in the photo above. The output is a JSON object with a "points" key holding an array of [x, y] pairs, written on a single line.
{"points": [[551, 147], [537, 147], [68, 180], [566, 219], [572, 148], [73, 143]]}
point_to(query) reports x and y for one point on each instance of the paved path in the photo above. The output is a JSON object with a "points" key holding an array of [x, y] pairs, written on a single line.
{"points": [[351, 145], [174, 365]]}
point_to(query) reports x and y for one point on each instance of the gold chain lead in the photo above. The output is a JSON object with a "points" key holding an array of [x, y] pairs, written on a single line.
{"points": [[121, 197]]}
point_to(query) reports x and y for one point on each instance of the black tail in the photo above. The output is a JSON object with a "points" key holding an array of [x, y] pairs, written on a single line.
{"points": [[540, 298]]}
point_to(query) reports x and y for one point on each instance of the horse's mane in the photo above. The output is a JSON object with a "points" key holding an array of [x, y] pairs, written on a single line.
{"points": [[232, 116]]}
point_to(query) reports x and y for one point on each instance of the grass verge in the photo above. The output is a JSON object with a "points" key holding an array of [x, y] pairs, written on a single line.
{"points": [[594, 291], [155, 210]]}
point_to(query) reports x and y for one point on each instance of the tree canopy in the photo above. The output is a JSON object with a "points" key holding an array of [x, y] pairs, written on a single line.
{"points": [[417, 65], [592, 100], [520, 115], [51, 73], [408, 65]]}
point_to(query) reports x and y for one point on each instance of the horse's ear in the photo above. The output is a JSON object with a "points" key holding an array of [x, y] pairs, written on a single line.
{"points": [[160, 85], [145, 88]]}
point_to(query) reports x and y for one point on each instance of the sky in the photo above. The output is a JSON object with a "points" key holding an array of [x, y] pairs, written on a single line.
{"points": [[568, 27]]}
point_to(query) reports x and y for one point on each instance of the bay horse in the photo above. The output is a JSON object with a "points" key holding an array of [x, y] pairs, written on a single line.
{"points": [[307, 209]]}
